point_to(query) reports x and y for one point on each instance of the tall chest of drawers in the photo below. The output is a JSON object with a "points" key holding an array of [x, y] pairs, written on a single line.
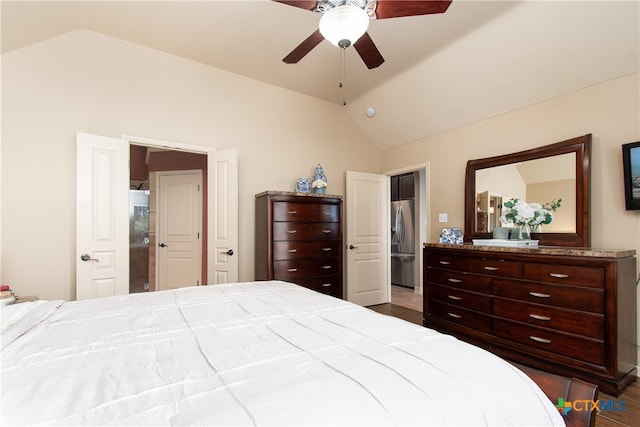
{"points": [[567, 311], [299, 240]]}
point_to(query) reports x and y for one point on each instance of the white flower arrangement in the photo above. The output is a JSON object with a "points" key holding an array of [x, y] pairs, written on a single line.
{"points": [[532, 214], [318, 183]]}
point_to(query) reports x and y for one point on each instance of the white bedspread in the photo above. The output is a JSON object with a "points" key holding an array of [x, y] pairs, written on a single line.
{"points": [[263, 353]]}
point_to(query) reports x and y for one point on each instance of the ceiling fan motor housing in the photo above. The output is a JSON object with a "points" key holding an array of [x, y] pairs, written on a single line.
{"points": [[344, 25]]}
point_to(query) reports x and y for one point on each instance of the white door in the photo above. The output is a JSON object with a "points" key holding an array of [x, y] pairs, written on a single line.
{"points": [[102, 216], [223, 214], [179, 243], [367, 231]]}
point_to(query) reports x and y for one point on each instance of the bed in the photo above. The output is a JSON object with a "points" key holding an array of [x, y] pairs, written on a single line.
{"points": [[256, 353]]}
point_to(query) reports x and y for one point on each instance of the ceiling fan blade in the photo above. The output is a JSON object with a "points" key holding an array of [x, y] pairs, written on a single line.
{"points": [[398, 8], [303, 48], [368, 51], [302, 4]]}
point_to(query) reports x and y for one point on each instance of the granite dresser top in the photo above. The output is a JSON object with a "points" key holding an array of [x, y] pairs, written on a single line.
{"points": [[293, 193], [542, 250]]}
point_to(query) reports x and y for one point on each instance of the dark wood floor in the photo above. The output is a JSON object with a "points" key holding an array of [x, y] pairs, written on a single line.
{"points": [[630, 417]]}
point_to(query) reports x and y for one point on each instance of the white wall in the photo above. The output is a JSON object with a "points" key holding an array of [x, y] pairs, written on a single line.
{"points": [[610, 111], [88, 82]]}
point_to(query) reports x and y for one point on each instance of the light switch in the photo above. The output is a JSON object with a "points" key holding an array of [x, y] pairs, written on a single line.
{"points": [[443, 217]]}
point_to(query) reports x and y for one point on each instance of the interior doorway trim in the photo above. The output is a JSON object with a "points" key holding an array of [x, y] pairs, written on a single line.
{"points": [[167, 145]]}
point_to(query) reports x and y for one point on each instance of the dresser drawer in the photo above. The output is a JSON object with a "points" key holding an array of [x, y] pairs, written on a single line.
{"points": [[495, 267], [571, 311], [440, 260], [305, 212], [587, 350], [570, 297], [298, 239], [470, 282], [306, 231], [327, 284], [296, 249], [444, 312], [296, 269], [566, 274], [459, 298], [574, 322]]}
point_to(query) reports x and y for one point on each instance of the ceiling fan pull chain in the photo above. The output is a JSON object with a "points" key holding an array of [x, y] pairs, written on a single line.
{"points": [[343, 72]]}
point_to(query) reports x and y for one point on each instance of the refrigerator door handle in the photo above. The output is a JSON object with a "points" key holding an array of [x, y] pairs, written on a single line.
{"points": [[400, 227], [395, 230]]}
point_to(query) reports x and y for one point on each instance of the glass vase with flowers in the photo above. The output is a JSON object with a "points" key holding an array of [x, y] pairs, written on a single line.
{"points": [[528, 217]]}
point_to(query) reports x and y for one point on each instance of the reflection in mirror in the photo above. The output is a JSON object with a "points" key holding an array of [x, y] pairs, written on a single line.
{"points": [[534, 181], [542, 175]]}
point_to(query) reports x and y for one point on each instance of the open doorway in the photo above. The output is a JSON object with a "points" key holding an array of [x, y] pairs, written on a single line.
{"points": [[102, 212], [146, 163], [408, 228]]}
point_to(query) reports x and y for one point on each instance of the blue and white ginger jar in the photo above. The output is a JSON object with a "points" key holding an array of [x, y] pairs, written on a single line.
{"points": [[303, 185], [319, 174]]}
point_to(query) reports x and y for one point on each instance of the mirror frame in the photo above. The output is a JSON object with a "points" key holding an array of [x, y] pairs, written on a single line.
{"points": [[581, 146]]}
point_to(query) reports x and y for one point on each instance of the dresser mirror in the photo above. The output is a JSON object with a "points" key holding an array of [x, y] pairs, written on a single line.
{"points": [[541, 175]]}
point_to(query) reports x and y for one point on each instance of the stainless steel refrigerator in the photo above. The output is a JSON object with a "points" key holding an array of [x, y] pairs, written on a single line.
{"points": [[403, 243]]}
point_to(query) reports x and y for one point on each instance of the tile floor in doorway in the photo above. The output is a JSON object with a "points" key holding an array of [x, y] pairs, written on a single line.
{"points": [[406, 297]]}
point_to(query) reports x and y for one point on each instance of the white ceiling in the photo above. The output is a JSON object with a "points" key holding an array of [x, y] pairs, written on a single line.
{"points": [[479, 59]]}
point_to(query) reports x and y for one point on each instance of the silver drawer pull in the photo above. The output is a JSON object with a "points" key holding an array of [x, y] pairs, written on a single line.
{"points": [[292, 251], [558, 275], [326, 249], [326, 213], [326, 285], [539, 317], [292, 270], [453, 297], [445, 262], [454, 280], [539, 295], [455, 316], [326, 267], [292, 231], [491, 268], [292, 212], [326, 231], [538, 339]]}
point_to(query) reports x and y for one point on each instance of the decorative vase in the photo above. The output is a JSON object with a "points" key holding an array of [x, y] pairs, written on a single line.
{"points": [[520, 232], [319, 175], [303, 185]]}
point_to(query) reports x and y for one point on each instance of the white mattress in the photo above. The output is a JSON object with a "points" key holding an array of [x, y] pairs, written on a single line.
{"points": [[263, 353]]}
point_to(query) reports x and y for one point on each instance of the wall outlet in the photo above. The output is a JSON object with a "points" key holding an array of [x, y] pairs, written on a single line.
{"points": [[443, 217]]}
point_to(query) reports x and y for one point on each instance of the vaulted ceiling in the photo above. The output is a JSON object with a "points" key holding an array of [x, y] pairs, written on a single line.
{"points": [[479, 59]]}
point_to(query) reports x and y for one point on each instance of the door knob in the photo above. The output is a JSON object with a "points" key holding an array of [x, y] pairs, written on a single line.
{"points": [[353, 247], [162, 245], [87, 257], [229, 252]]}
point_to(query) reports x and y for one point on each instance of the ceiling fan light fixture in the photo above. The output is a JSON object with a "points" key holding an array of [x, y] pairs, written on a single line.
{"points": [[344, 25]]}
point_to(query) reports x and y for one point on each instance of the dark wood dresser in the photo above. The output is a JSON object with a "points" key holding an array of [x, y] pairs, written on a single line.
{"points": [[299, 240], [567, 311]]}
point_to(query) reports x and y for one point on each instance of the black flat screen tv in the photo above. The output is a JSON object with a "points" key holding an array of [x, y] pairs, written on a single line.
{"points": [[631, 168]]}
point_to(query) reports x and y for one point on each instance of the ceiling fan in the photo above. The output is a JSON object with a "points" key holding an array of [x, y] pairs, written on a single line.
{"points": [[337, 11]]}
